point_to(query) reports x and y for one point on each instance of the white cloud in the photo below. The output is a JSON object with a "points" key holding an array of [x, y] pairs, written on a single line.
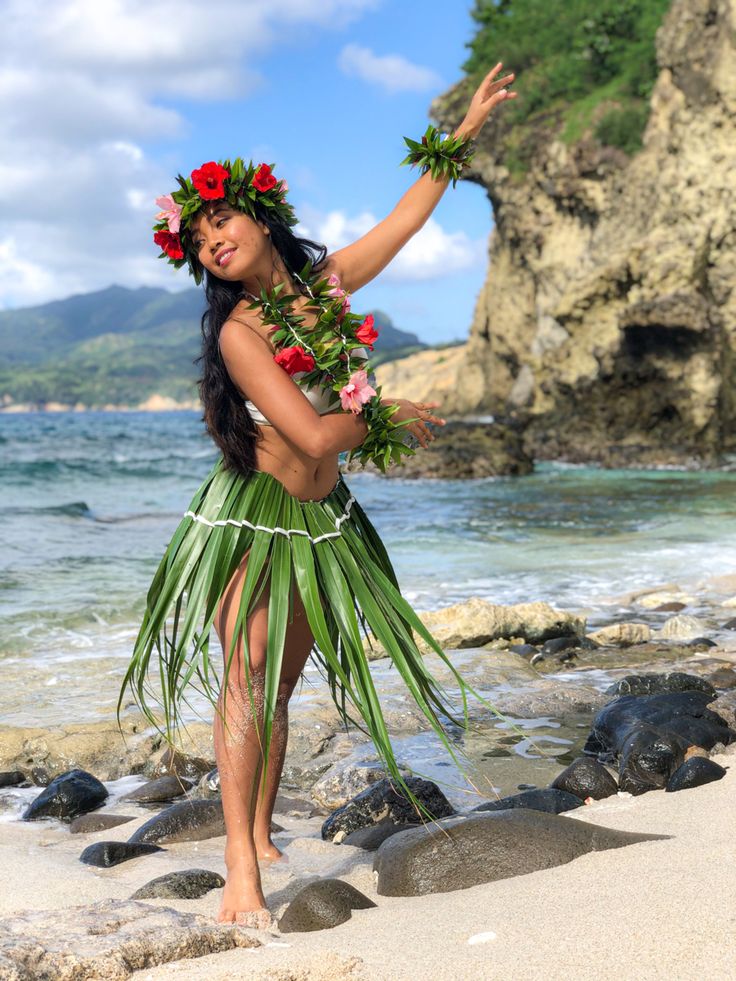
{"points": [[66, 108], [19, 276], [431, 254], [82, 85], [434, 252], [393, 72]]}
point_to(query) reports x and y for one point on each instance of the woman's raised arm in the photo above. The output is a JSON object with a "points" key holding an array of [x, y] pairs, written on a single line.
{"points": [[360, 262]]}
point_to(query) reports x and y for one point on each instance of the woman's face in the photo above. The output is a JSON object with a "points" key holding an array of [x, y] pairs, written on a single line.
{"points": [[230, 244]]}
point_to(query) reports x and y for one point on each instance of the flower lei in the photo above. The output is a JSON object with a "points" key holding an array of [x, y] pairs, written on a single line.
{"points": [[326, 354], [238, 183], [445, 156]]}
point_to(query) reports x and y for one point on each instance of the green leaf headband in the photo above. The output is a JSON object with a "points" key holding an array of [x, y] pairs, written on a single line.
{"points": [[238, 183]]}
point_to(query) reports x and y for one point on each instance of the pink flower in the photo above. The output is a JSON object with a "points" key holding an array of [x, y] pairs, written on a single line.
{"points": [[283, 188], [336, 291], [171, 212], [356, 392]]}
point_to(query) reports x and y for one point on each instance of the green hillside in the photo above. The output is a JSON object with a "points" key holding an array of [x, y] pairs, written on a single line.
{"points": [[120, 346], [583, 66]]}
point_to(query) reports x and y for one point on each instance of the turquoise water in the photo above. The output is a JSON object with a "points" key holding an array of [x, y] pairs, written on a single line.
{"points": [[89, 501]]}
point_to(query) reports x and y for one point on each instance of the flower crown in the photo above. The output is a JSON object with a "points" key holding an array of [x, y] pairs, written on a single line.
{"points": [[240, 184]]}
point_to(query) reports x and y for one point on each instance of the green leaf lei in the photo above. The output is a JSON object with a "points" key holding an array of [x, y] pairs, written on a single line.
{"points": [[445, 156], [332, 343]]}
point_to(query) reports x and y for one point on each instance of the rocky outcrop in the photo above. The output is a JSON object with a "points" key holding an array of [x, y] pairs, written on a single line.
{"points": [[321, 905], [607, 324], [109, 939], [651, 736], [185, 884], [386, 800], [68, 796], [586, 778], [465, 852], [695, 772], [99, 747], [465, 450], [347, 778], [475, 622], [430, 376], [622, 634]]}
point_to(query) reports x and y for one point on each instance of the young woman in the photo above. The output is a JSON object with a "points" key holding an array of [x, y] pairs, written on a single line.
{"points": [[274, 552]]}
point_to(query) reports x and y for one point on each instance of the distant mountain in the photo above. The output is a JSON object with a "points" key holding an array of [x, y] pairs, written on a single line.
{"points": [[121, 346]]}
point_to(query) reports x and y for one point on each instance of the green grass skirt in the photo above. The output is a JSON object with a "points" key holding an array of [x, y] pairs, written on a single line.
{"points": [[331, 553]]}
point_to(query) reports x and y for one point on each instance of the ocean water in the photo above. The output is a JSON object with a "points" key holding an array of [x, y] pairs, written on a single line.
{"points": [[90, 500]]}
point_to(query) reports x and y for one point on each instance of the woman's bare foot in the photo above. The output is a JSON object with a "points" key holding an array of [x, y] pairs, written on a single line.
{"points": [[266, 851], [242, 897]]}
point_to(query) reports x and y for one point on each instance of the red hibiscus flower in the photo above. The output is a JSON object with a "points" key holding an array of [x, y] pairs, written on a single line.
{"points": [[169, 243], [208, 180], [366, 333], [263, 179], [293, 359]]}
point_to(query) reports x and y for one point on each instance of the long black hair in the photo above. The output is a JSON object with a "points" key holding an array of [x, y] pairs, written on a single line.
{"points": [[226, 418]]}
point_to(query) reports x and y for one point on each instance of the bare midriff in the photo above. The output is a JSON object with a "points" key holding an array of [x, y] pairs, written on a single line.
{"points": [[302, 476]]}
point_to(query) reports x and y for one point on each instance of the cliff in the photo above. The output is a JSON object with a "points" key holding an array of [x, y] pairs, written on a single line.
{"points": [[607, 323]]}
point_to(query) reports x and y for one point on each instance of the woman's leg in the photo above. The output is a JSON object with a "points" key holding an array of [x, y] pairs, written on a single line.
{"points": [[237, 750], [237, 746], [299, 642]]}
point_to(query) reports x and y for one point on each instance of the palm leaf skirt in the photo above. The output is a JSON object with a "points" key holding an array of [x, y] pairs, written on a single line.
{"points": [[331, 553]]}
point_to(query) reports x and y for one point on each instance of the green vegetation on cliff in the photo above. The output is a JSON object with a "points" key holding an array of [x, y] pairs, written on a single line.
{"points": [[582, 66]]}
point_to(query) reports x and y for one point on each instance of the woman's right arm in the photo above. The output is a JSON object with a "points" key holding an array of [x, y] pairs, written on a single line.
{"points": [[250, 364]]}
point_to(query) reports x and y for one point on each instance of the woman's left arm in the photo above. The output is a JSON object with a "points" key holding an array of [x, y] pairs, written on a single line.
{"points": [[360, 262]]}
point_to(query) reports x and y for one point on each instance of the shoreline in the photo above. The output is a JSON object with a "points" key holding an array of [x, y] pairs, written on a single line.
{"points": [[154, 403], [684, 626]]}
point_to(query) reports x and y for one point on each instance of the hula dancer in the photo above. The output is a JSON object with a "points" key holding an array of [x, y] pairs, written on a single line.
{"points": [[274, 551]]}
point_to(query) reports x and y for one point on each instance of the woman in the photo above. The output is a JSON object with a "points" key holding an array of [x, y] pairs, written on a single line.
{"points": [[274, 552]]}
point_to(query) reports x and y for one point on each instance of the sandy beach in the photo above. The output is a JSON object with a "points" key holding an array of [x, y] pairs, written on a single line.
{"points": [[656, 909]]}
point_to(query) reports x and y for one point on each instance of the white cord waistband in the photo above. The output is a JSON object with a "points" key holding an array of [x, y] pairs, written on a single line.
{"points": [[276, 531]]}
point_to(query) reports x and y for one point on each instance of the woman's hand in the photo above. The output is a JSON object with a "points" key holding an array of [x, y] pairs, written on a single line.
{"points": [[410, 410], [488, 95]]}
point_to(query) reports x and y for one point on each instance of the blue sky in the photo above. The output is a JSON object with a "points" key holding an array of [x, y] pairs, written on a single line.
{"points": [[130, 93]]}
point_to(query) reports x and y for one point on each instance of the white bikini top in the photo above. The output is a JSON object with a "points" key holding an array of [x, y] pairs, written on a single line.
{"points": [[323, 399]]}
